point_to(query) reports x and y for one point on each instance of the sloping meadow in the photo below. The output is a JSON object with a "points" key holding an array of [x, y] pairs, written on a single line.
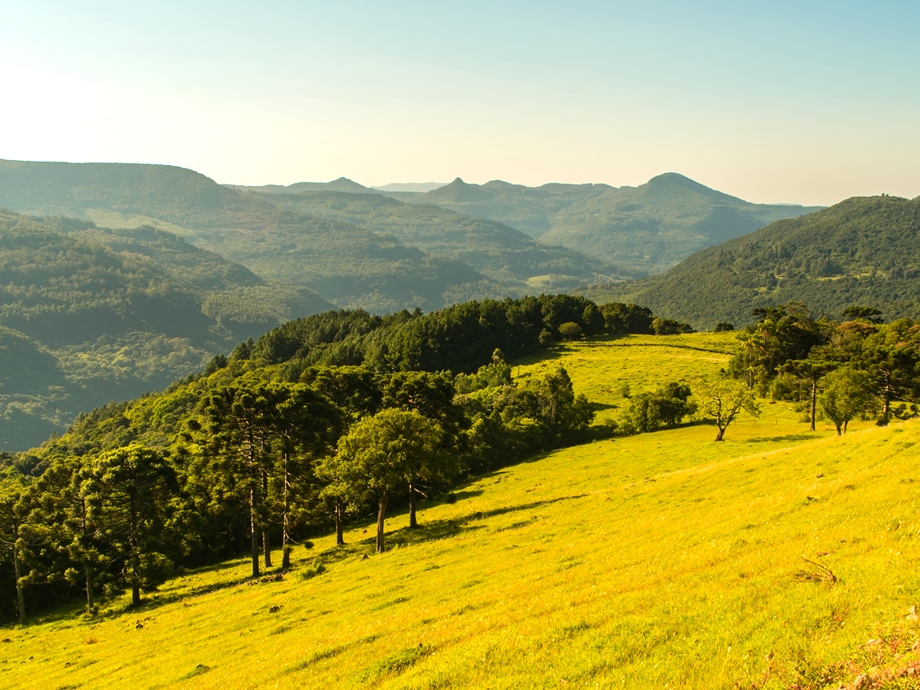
{"points": [[777, 558]]}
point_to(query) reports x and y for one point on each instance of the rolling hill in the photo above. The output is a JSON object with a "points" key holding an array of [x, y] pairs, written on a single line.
{"points": [[644, 229], [659, 560], [861, 251], [349, 265], [89, 314]]}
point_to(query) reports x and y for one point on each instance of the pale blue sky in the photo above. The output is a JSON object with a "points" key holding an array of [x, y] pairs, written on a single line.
{"points": [[807, 102]]}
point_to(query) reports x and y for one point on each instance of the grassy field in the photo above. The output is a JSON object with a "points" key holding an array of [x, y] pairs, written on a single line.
{"points": [[776, 559]]}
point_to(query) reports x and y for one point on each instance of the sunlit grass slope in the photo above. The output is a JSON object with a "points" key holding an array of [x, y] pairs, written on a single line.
{"points": [[661, 560]]}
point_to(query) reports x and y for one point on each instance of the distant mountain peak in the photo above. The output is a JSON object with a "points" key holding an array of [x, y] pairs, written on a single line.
{"points": [[459, 191], [672, 180], [418, 187]]}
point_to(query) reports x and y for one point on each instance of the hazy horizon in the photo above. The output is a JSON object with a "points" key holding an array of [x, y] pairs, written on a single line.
{"points": [[793, 103]]}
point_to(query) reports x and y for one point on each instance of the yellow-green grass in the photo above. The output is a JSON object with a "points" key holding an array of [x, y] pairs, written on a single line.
{"points": [[600, 368], [660, 560]]}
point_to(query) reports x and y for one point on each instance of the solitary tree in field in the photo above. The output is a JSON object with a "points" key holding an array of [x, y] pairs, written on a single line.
{"points": [[722, 400], [847, 395], [387, 451]]}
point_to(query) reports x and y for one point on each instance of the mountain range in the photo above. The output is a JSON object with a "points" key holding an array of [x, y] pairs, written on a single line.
{"points": [[644, 229], [638, 230], [348, 264]]}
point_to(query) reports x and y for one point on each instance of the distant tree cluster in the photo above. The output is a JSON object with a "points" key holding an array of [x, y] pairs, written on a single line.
{"points": [[856, 367]]}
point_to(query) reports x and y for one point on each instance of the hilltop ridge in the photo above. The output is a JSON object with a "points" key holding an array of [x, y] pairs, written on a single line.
{"points": [[861, 251]]}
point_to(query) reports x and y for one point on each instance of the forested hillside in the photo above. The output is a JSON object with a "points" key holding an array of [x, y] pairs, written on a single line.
{"points": [[505, 255], [242, 453], [349, 265], [644, 229], [862, 251], [89, 314]]}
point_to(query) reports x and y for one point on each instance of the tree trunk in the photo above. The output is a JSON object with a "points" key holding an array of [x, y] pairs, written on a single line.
{"points": [[339, 529], [88, 572], [267, 548], [253, 532], [839, 428], [413, 522], [266, 541], [285, 536], [20, 595], [814, 401], [135, 556], [721, 433], [886, 401], [381, 514]]}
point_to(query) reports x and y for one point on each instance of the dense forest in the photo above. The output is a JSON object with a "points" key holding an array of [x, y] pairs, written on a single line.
{"points": [[861, 251], [282, 438], [89, 314]]}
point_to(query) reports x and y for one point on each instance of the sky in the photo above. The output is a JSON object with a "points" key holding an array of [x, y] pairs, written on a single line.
{"points": [[802, 102]]}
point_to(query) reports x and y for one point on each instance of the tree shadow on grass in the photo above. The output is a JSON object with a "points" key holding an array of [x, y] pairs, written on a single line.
{"points": [[433, 530], [807, 436]]}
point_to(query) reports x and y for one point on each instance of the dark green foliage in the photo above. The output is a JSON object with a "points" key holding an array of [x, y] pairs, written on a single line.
{"points": [[511, 422], [787, 343], [863, 251], [670, 327], [392, 449], [127, 494], [783, 333], [665, 407], [868, 314], [621, 318], [459, 338]]}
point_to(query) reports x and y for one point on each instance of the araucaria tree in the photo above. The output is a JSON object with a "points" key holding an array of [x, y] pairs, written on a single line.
{"points": [[386, 452], [12, 516], [127, 496], [237, 454], [722, 399]]}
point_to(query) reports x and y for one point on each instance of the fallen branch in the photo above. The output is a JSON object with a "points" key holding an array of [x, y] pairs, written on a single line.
{"points": [[819, 573]]}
